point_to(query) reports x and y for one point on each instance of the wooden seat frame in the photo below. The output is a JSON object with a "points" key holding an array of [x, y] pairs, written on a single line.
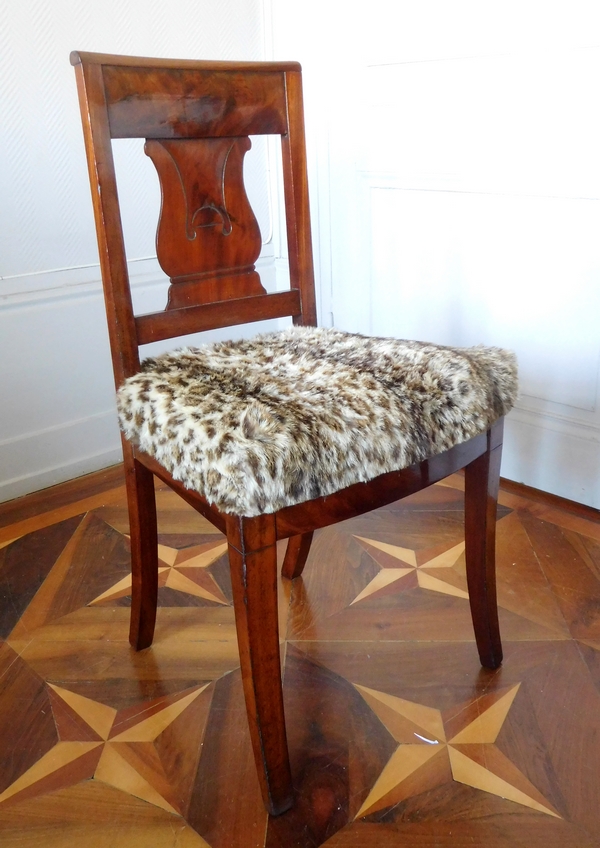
{"points": [[198, 116]]}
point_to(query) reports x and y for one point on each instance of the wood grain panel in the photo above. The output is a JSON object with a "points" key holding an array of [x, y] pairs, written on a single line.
{"points": [[135, 109], [24, 565], [157, 326], [360, 681], [572, 576], [226, 806], [27, 728]]}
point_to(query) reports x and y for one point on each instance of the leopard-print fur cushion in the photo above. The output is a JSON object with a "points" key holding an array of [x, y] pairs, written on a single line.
{"points": [[264, 423]]}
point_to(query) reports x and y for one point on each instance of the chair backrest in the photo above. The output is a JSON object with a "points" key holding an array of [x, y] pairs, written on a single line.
{"points": [[196, 118]]}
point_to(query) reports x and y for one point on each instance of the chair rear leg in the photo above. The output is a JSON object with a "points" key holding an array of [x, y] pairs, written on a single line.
{"points": [[482, 478], [253, 562], [296, 554], [144, 550]]}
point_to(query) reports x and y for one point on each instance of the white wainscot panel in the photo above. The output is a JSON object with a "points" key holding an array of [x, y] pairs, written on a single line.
{"points": [[58, 412], [513, 124], [554, 455], [519, 272], [58, 418], [431, 29]]}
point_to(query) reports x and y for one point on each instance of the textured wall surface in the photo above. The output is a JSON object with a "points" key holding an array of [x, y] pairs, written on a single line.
{"points": [[458, 186], [57, 418], [455, 192]]}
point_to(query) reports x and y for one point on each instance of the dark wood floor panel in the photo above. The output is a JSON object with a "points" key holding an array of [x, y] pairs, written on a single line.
{"points": [[226, 806], [397, 735], [24, 566]]}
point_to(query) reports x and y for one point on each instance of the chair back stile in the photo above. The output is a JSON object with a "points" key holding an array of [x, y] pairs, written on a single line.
{"points": [[295, 182], [107, 215], [196, 118]]}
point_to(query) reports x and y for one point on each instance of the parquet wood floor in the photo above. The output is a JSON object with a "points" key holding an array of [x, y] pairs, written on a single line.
{"points": [[397, 736]]}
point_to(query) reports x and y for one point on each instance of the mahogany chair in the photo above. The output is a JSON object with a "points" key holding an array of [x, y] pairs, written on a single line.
{"points": [[278, 436]]}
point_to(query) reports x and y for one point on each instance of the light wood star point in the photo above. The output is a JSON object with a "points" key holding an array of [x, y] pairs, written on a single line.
{"points": [[429, 573], [127, 760], [184, 570], [471, 753]]}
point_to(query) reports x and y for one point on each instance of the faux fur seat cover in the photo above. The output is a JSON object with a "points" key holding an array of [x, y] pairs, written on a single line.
{"points": [[282, 418]]}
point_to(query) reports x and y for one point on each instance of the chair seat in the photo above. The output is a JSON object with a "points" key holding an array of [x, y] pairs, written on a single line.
{"points": [[260, 424]]}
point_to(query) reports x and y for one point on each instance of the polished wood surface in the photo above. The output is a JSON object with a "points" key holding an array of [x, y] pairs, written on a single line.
{"points": [[252, 546], [143, 535], [396, 735], [196, 118], [202, 187], [482, 478], [209, 316], [296, 554]]}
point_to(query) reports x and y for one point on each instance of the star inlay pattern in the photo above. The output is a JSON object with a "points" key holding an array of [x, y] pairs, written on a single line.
{"points": [[404, 568], [184, 570], [102, 745], [113, 746], [435, 747]]}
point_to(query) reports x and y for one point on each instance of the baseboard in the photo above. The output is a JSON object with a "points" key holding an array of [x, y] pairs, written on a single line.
{"points": [[541, 453], [61, 495]]}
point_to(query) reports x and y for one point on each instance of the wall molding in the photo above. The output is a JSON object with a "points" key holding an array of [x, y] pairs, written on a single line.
{"points": [[576, 428], [83, 280], [551, 445], [42, 458], [578, 421], [62, 283], [33, 459], [553, 460]]}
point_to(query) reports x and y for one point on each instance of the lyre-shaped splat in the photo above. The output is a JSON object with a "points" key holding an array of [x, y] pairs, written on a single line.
{"points": [[208, 238]]}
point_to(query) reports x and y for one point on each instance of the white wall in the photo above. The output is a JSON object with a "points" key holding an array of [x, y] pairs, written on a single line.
{"points": [[454, 150], [57, 416], [455, 194]]}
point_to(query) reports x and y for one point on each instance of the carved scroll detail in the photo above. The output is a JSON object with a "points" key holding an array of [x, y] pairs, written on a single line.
{"points": [[208, 238]]}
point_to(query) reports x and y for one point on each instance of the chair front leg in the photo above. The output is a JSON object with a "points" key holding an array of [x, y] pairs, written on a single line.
{"points": [[482, 478], [253, 563], [144, 549]]}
